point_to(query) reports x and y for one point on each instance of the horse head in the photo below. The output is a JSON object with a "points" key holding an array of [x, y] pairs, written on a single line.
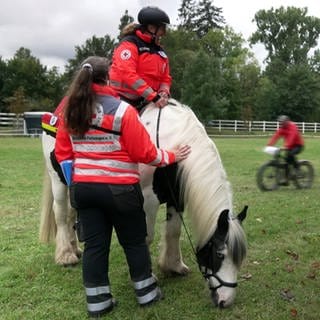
{"points": [[220, 258]]}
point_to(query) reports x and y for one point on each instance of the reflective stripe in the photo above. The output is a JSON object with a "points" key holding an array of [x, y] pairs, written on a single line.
{"points": [[102, 172], [144, 283], [138, 84], [97, 290], [157, 160], [115, 83], [130, 96], [108, 163], [148, 297], [146, 93], [97, 147], [116, 126], [99, 306], [119, 84], [162, 156]]}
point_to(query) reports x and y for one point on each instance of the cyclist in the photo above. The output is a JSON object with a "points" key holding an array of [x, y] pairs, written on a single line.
{"points": [[293, 141]]}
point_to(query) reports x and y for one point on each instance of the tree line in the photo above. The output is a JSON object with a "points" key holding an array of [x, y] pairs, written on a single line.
{"points": [[213, 70]]}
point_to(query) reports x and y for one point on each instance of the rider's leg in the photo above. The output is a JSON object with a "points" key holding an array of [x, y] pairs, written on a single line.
{"points": [[292, 155], [291, 158]]}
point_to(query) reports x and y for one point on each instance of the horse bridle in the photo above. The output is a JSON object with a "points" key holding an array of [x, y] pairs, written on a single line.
{"points": [[207, 272]]}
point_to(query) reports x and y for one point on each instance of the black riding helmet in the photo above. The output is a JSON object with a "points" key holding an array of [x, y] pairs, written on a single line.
{"points": [[153, 15]]}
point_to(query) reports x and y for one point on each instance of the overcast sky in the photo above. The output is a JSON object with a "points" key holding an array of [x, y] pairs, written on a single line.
{"points": [[52, 28]]}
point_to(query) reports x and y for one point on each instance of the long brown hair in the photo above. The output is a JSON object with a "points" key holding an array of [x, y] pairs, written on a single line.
{"points": [[129, 29], [81, 98]]}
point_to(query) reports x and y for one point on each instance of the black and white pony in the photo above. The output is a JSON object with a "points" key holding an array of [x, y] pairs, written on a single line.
{"points": [[198, 184]]}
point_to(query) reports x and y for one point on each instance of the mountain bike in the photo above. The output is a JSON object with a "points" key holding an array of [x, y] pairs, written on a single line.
{"points": [[277, 172]]}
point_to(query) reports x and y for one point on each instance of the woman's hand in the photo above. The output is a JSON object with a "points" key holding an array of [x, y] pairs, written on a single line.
{"points": [[182, 152]]}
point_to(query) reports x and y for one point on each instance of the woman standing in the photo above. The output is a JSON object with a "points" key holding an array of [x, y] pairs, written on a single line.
{"points": [[104, 138]]}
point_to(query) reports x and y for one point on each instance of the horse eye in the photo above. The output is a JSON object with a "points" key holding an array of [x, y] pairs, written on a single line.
{"points": [[220, 255]]}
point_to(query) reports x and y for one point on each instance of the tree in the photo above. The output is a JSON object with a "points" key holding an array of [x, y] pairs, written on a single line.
{"points": [[18, 103], [208, 17], [202, 87], [187, 15], [94, 46], [288, 34], [124, 20], [28, 84], [234, 61], [25, 71], [181, 47], [3, 76], [200, 17]]}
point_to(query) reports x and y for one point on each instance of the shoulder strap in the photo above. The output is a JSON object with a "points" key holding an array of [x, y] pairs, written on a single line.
{"points": [[118, 133]]}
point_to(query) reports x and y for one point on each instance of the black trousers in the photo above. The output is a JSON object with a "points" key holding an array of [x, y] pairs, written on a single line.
{"points": [[102, 207], [291, 153]]}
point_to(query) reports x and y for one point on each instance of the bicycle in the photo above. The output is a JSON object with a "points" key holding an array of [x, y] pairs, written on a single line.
{"points": [[277, 172]]}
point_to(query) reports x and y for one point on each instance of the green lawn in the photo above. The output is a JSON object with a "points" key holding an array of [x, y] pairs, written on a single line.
{"points": [[279, 280]]}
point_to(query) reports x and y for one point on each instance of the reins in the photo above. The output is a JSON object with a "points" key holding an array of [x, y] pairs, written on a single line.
{"points": [[171, 190]]}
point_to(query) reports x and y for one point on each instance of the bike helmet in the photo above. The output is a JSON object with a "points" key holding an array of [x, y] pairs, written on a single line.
{"points": [[283, 118], [153, 15]]}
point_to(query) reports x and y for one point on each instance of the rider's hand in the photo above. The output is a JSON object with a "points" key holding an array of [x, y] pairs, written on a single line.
{"points": [[182, 152], [161, 99]]}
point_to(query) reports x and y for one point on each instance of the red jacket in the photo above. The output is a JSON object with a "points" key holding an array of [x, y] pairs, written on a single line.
{"points": [[291, 135], [110, 157], [140, 68]]}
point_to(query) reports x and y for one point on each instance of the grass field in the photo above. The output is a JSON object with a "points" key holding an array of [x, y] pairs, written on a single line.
{"points": [[279, 280]]}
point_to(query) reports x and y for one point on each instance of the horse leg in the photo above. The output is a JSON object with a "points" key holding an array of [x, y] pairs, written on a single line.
{"points": [[170, 260], [151, 206], [56, 201], [67, 251]]}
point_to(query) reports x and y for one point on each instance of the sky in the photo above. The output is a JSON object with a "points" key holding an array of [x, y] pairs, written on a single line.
{"points": [[52, 28]]}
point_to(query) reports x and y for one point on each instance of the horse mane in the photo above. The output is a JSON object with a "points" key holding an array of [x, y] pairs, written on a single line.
{"points": [[204, 183], [237, 243]]}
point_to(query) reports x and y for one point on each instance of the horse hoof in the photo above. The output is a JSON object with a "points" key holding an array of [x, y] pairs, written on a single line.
{"points": [[79, 253], [181, 271], [71, 260], [184, 270]]}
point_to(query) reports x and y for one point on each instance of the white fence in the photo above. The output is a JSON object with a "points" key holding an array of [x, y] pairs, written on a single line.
{"points": [[29, 123], [258, 126]]}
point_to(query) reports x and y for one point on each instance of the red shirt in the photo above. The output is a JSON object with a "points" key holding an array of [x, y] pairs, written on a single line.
{"points": [[110, 157], [139, 68], [291, 135]]}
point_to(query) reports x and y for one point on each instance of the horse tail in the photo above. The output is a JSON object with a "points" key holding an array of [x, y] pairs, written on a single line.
{"points": [[48, 229]]}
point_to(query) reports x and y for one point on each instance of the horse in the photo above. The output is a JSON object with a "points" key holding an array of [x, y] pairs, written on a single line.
{"points": [[198, 184]]}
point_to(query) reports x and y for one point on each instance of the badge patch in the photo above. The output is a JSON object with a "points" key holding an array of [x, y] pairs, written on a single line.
{"points": [[125, 54], [53, 120]]}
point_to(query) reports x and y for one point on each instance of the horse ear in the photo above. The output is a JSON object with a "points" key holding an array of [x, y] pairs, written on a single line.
{"points": [[243, 214], [223, 224]]}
